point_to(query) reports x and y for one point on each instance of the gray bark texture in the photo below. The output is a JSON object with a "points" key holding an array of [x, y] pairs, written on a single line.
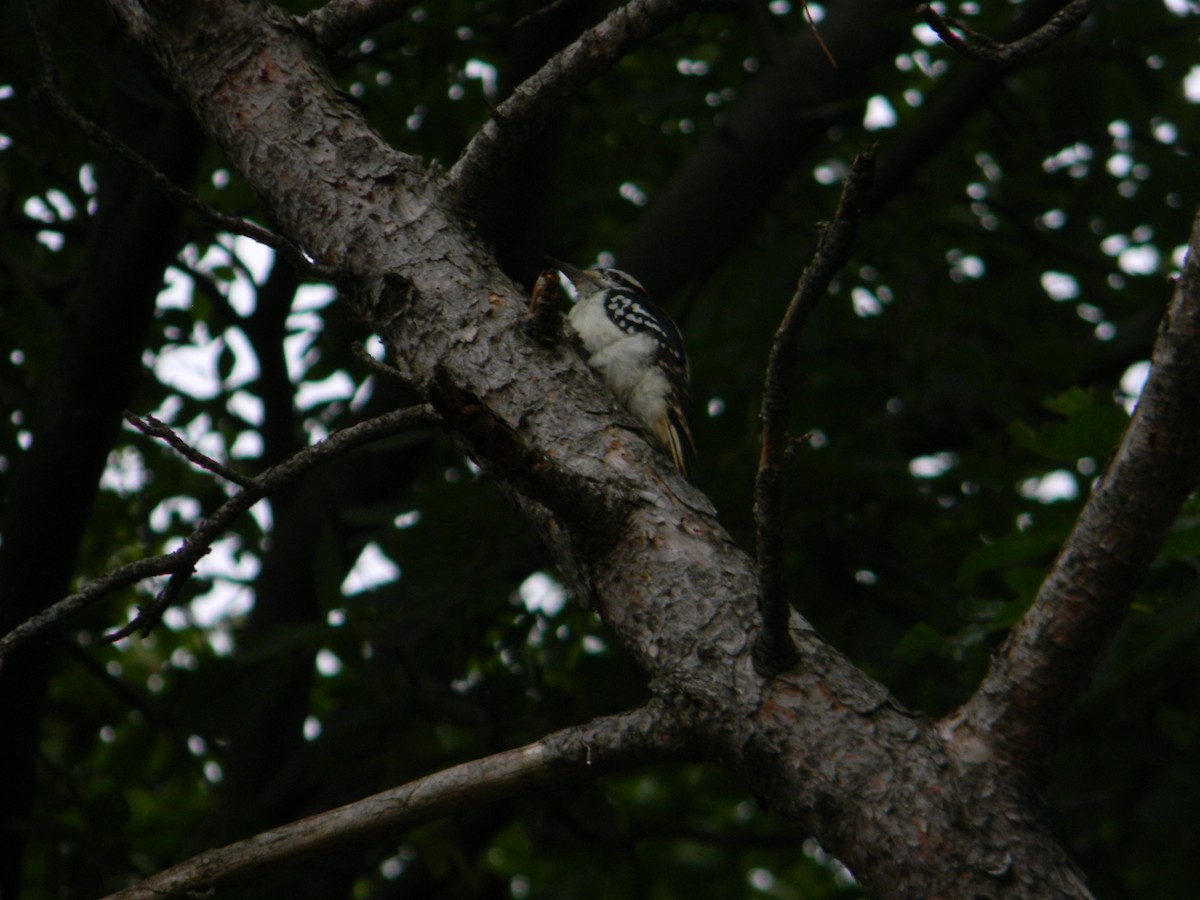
{"points": [[915, 808]]}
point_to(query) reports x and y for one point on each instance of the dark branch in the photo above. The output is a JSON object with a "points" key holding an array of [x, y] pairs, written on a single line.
{"points": [[58, 101], [207, 285], [155, 428], [341, 21], [378, 367], [774, 650], [550, 8], [180, 563], [538, 99], [1038, 673], [816, 32], [981, 48], [150, 615], [570, 756]]}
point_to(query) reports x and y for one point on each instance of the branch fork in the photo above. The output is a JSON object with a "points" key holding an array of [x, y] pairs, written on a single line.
{"points": [[983, 49], [180, 563]]}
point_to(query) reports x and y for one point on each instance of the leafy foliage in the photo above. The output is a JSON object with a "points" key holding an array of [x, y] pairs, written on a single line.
{"points": [[963, 384]]}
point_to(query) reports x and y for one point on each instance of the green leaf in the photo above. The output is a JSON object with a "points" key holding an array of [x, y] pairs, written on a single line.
{"points": [[1091, 429], [225, 361], [1019, 547], [1072, 400], [1183, 540], [1025, 582], [223, 273], [920, 641]]}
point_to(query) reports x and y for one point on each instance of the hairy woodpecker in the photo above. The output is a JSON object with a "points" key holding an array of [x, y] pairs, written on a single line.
{"points": [[637, 349]]}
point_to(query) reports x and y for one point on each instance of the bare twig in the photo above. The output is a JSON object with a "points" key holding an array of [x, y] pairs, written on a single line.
{"points": [[1036, 676], [539, 98], [812, 23], [549, 9], [774, 650], [149, 616], [49, 89], [155, 428], [378, 367], [180, 563], [570, 756], [981, 48], [341, 21], [207, 285]]}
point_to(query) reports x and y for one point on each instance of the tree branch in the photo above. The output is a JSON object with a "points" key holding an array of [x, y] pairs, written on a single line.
{"points": [[539, 98], [1037, 674], [981, 48], [781, 118], [569, 756], [822, 743], [152, 427], [49, 89], [946, 111], [774, 650], [340, 21], [180, 563]]}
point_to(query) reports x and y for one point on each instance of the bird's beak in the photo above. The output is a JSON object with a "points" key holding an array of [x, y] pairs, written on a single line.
{"points": [[576, 275]]}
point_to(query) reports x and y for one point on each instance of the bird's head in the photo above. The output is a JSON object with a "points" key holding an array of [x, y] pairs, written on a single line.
{"points": [[588, 281]]}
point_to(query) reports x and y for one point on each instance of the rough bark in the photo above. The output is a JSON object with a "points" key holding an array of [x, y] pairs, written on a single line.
{"points": [[1048, 658], [911, 806]]}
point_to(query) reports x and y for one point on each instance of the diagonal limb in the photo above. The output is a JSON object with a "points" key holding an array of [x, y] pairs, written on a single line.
{"points": [[570, 756], [1038, 673], [534, 102]]}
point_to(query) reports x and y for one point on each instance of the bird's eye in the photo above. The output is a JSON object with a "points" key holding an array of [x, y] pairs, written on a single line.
{"points": [[624, 279]]}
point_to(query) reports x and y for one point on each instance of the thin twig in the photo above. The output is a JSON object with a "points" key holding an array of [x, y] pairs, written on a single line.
{"points": [[549, 9], [774, 650], [540, 97], [208, 287], [812, 23], [981, 48], [49, 89], [378, 367], [182, 561], [150, 615], [156, 428]]}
